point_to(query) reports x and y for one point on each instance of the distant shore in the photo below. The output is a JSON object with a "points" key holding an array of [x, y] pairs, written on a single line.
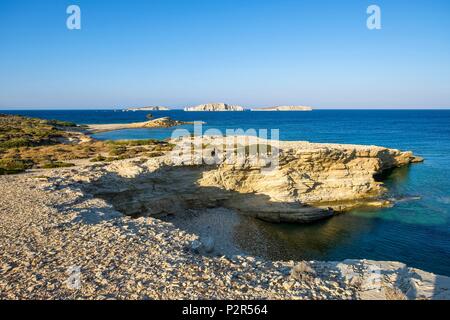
{"points": [[164, 122], [220, 106]]}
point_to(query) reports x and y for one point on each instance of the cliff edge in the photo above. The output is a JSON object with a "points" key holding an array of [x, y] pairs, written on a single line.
{"points": [[308, 181]]}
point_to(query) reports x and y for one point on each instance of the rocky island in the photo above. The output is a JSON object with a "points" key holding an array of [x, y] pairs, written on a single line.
{"points": [[149, 108], [284, 108], [104, 217], [214, 107], [226, 107]]}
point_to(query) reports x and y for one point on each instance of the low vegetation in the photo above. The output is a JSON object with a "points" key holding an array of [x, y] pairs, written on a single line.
{"points": [[18, 131], [27, 143], [260, 149]]}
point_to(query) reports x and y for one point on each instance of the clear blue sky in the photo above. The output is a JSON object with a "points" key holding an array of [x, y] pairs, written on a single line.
{"points": [[247, 52]]}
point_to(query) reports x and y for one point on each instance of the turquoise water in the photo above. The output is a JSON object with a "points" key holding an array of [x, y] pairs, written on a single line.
{"points": [[416, 231]]}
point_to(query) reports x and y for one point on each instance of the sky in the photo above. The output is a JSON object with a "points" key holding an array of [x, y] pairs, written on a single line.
{"points": [[253, 53]]}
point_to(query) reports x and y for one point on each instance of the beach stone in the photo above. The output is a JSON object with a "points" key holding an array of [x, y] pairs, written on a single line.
{"points": [[100, 252], [302, 271], [208, 244]]}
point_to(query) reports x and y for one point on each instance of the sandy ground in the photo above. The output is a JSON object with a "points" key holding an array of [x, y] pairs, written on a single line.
{"points": [[115, 126]]}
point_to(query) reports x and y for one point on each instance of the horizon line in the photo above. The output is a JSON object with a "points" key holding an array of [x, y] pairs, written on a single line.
{"points": [[247, 109]]}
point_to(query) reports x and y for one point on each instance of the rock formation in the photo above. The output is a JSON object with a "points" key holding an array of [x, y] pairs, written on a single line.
{"points": [[284, 108], [164, 122], [149, 108], [214, 107], [55, 227], [310, 182], [378, 280]]}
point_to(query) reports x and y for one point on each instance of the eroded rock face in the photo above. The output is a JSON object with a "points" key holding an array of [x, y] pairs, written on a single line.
{"points": [[310, 182], [377, 280]]}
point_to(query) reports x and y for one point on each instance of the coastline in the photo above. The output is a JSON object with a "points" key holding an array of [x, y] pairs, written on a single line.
{"points": [[61, 226], [163, 122], [59, 213], [225, 158]]}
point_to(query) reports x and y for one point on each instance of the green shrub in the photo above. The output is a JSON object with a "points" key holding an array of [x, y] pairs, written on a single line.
{"points": [[11, 166], [60, 123], [117, 150], [98, 158], [56, 164], [14, 143], [134, 143], [154, 154]]}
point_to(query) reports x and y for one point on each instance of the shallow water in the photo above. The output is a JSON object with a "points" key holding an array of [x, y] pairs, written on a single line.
{"points": [[416, 231]]}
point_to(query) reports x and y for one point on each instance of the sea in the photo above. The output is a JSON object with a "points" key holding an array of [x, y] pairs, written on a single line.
{"points": [[415, 231]]}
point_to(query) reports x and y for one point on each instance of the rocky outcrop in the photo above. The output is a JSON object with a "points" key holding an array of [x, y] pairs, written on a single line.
{"points": [[377, 280], [284, 108], [164, 122], [308, 181], [215, 107]]}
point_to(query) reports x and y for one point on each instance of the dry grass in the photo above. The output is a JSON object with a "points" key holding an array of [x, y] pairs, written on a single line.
{"points": [[18, 131], [27, 143]]}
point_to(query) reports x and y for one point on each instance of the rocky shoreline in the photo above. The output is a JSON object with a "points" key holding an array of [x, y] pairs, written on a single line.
{"points": [[56, 221], [54, 228], [308, 181], [164, 122]]}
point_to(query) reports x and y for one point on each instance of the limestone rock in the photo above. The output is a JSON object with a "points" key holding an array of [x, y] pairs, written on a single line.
{"points": [[383, 280], [149, 108], [310, 182], [214, 107], [43, 242], [163, 122]]}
